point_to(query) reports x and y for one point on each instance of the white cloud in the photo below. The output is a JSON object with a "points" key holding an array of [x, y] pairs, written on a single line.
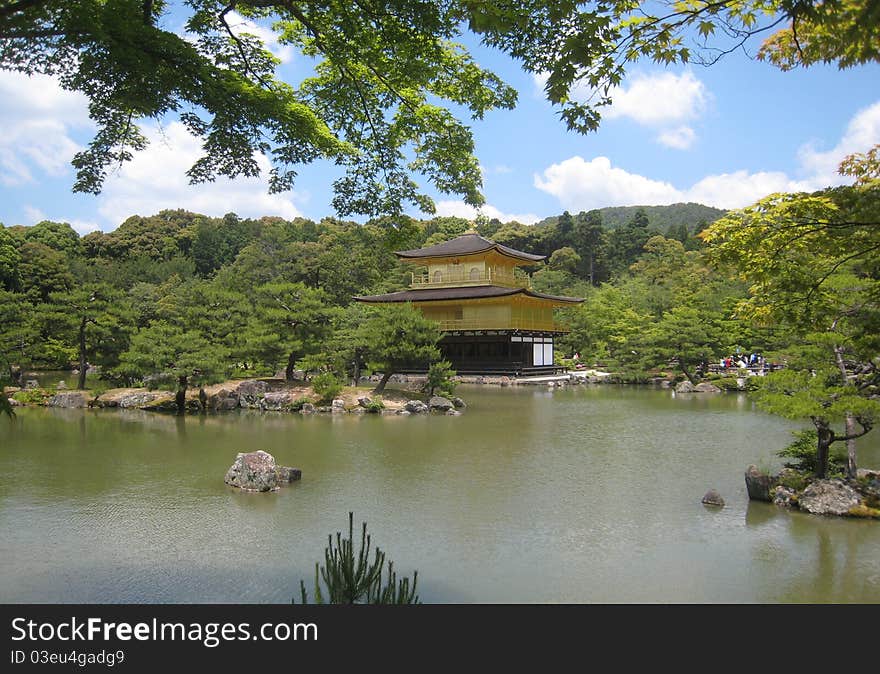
{"points": [[462, 210], [579, 184], [862, 133], [582, 185], [156, 179], [34, 214], [659, 99], [37, 117], [680, 138], [238, 24]]}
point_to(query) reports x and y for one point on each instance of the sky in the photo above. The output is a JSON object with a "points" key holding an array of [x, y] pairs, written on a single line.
{"points": [[723, 136]]}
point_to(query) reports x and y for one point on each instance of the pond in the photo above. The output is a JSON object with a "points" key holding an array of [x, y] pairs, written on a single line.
{"points": [[584, 494]]}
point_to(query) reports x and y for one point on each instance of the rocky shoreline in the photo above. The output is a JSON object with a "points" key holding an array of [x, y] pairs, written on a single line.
{"points": [[267, 395], [793, 489]]}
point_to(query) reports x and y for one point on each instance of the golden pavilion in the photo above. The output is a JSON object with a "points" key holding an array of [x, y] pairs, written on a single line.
{"points": [[492, 321]]}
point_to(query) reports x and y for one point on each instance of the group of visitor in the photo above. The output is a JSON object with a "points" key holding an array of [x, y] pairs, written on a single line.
{"points": [[753, 361]]}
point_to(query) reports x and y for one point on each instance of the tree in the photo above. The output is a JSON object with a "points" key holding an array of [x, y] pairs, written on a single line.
{"points": [[350, 577], [439, 379], [58, 236], [590, 240], [824, 398], [43, 271], [625, 244], [602, 41], [368, 105], [17, 334], [812, 262], [9, 261], [166, 351], [399, 336], [291, 322], [378, 70], [684, 335], [93, 319]]}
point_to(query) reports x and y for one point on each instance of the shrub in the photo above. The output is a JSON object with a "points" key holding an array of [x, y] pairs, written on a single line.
{"points": [[30, 396], [375, 407], [298, 404], [350, 578], [803, 454], [326, 385], [439, 379]]}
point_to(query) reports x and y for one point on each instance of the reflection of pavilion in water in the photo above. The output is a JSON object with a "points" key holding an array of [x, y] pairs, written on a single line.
{"points": [[492, 321]]}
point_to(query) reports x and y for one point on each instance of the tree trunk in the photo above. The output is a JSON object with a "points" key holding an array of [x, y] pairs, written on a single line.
{"points": [[383, 381], [291, 366], [83, 366], [180, 397], [825, 436], [203, 398], [851, 467], [683, 367], [850, 421]]}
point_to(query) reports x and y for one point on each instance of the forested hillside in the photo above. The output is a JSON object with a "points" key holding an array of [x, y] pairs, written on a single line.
{"points": [[662, 218]]}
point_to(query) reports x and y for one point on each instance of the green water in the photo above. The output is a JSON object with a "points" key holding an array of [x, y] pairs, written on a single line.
{"points": [[575, 495]]}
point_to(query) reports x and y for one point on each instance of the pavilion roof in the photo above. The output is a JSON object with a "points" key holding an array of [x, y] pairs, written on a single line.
{"points": [[467, 244], [465, 293]]}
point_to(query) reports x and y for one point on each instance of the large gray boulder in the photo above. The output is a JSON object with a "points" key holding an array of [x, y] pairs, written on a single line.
{"points": [[829, 497], [416, 407], [459, 403], [275, 402], [706, 387], [251, 394], [440, 404], [758, 484], [222, 400], [684, 387], [337, 406], [256, 471], [69, 400], [135, 399]]}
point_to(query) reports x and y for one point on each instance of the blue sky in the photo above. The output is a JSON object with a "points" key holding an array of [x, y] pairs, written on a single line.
{"points": [[723, 136]]}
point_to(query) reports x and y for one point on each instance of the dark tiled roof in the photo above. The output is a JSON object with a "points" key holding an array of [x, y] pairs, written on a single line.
{"points": [[467, 244], [467, 293]]}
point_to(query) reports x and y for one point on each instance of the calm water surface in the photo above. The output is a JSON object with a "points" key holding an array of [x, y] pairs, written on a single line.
{"points": [[575, 495]]}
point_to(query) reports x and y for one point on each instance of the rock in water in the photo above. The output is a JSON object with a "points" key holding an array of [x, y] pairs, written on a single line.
{"points": [[784, 497], [712, 497], [758, 484], [416, 407], [684, 387], [254, 471], [829, 497], [440, 404], [706, 387], [286, 474]]}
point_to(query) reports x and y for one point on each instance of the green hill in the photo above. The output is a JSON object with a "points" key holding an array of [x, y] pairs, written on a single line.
{"points": [[660, 217]]}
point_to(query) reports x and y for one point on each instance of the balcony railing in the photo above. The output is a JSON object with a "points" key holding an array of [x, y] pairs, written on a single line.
{"points": [[462, 278], [509, 324]]}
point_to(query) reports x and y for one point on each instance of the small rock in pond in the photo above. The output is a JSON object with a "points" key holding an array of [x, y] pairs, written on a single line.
{"points": [[712, 497]]}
